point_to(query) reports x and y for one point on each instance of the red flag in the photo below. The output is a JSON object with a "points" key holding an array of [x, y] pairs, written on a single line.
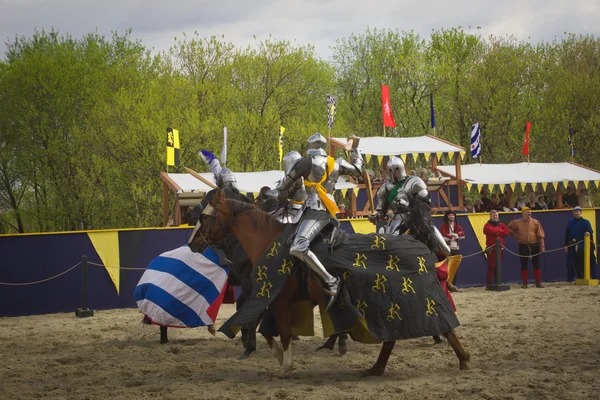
{"points": [[526, 144], [388, 118]]}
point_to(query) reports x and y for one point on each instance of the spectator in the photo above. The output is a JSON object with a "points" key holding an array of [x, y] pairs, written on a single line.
{"points": [[541, 204], [343, 212], [468, 206], [584, 200], [520, 204], [577, 229], [487, 203], [503, 203], [570, 199], [493, 229], [530, 235], [493, 202], [452, 233], [531, 203], [479, 206]]}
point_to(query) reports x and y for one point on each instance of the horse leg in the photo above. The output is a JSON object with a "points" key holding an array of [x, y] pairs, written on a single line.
{"points": [[330, 343], [281, 311], [276, 348], [437, 339], [379, 368], [463, 355], [342, 346], [163, 335], [250, 342]]}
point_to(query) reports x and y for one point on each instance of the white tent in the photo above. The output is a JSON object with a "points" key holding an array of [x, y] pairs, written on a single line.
{"points": [[524, 173], [392, 146], [248, 182]]}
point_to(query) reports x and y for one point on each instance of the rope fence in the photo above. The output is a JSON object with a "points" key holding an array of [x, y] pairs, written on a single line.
{"points": [[143, 269]]}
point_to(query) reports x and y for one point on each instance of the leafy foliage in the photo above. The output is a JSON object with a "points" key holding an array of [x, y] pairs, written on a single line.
{"points": [[83, 121]]}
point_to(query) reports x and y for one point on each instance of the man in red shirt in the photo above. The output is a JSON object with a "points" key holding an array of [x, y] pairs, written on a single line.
{"points": [[493, 229], [452, 233]]}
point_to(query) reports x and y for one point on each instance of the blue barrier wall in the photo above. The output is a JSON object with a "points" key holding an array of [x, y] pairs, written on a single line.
{"points": [[30, 258]]}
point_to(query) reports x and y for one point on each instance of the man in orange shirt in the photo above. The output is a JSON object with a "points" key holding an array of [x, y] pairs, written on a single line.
{"points": [[530, 235]]}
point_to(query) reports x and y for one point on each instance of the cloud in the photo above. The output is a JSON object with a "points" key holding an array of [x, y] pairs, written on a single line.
{"points": [[316, 22]]}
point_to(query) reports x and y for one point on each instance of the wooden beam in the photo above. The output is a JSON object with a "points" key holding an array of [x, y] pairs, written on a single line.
{"points": [[165, 202], [460, 185]]}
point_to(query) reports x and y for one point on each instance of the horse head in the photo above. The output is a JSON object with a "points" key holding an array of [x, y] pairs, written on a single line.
{"points": [[213, 220]]}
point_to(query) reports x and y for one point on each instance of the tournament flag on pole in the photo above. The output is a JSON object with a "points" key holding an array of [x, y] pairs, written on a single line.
{"points": [[572, 149], [172, 147], [386, 107], [526, 144], [281, 131], [432, 110], [330, 110], [224, 149], [475, 140]]}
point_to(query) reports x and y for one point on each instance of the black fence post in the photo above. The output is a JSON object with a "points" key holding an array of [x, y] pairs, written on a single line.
{"points": [[498, 285], [84, 311]]}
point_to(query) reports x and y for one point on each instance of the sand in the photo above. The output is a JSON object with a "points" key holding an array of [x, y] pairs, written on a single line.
{"points": [[524, 344]]}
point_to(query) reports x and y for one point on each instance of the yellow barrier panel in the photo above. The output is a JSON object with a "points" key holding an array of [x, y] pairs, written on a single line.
{"points": [[586, 264]]}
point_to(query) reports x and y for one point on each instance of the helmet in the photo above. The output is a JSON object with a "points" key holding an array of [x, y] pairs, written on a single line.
{"points": [[226, 179], [289, 160], [396, 171], [317, 145]]}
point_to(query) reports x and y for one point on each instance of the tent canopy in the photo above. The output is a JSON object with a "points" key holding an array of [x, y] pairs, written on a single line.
{"points": [[391, 146], [506, 174], [248, 182]]}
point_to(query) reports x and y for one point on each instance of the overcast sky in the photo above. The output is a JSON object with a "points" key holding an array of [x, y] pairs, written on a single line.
{"points": [[318, 22]]}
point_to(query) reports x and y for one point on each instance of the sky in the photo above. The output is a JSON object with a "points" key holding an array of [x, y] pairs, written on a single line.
{"points": [[317, 22]]}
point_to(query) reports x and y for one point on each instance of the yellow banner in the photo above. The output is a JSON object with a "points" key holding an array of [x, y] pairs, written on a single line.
{"points": [[106, 245], [477, 222], [439, 155], [344, 192], [172, 147], [367, 157], [427, 156], [380, 159], [544, 186], [403, 157]]}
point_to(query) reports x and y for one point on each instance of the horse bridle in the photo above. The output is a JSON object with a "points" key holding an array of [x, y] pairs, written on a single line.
{"points": [[213, 212]]}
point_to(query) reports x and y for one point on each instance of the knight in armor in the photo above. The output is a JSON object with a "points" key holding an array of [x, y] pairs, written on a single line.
{"points": [[290, 210], [399, 194], [320, 173], [224, 178]]}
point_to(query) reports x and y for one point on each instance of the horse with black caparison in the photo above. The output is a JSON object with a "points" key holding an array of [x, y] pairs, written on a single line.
{"points": [[240, 268], [256, 231]]}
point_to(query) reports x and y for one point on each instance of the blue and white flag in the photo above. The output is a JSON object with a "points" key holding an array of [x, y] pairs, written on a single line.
{"points": [[475, 140], [182, 289]]}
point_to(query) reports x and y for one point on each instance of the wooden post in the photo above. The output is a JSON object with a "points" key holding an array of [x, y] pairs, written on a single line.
{"points": [[460, 184], [165, 202], [559, 203]]}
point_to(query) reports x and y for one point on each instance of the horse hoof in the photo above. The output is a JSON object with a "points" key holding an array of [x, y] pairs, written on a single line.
{"points": [[163, 341], [372, 372], [464, 365], [343, 349], [295, 337], [246, 354], [324, 347], [285, 372]]}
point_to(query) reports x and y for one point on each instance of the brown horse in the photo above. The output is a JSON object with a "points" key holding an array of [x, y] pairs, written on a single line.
{"points": [[256, 231]]}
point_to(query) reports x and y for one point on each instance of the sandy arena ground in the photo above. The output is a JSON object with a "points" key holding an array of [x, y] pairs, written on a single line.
{"points": [[524, 344]]}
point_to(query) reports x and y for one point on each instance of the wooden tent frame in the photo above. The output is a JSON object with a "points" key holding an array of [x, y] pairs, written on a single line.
{"points": [[183, 200], [433, 186]]}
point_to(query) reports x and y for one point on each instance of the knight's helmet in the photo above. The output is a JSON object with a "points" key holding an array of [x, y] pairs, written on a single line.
{"points": [[289, 160], [396, 170], [224, 178], [317, 145]]}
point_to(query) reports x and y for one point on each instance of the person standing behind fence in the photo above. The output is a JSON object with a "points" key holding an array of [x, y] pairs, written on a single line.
{"points": [[576, 231], [529, 233], [452, 233], [494, 229]]}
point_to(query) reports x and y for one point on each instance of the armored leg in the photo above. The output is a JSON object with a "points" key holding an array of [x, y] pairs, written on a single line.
{"points": [[307, 231]]}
